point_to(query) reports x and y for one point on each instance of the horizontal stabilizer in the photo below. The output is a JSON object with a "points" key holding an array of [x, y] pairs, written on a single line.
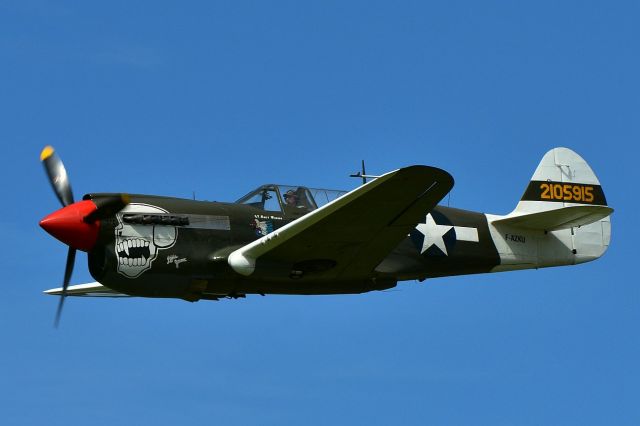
{"points": [[87, 290], [553, 220]]}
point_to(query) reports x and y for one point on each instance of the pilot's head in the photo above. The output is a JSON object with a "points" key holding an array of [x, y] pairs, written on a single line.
{"points": [[291, 198]]}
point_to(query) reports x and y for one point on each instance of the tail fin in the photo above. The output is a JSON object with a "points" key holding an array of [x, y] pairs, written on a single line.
{"points": [[565, 194], [562, 179]]}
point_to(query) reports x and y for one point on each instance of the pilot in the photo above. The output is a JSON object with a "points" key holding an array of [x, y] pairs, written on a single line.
{"points": [[290, 198]]}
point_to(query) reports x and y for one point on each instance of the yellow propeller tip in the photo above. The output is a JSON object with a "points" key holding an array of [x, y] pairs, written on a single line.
{"points": [[46, 152]]}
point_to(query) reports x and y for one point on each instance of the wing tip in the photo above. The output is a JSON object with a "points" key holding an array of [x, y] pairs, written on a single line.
{"points": [[442, 176]]}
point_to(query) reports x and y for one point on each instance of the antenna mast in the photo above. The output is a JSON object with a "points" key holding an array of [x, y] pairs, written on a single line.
{"points": [[363, 174]]}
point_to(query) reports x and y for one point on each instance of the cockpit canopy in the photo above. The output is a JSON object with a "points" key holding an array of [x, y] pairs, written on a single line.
{"points": [[289, 199]]}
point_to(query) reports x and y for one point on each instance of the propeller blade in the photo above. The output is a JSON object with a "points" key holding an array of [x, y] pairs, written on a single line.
{"points": [[68, 270], [57, 175], [107, 207]]}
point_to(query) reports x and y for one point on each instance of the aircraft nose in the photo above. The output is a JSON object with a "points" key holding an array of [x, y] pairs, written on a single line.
{"points": [[68, 225]]}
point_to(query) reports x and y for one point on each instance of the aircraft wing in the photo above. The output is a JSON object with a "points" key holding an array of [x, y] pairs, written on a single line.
{"points": [[349, 237], [87, 290]]}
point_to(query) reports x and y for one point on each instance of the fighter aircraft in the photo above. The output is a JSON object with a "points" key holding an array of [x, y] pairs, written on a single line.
{"points": [[281, 239]]}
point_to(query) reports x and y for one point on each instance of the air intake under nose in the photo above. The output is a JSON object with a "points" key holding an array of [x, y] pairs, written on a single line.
{"points": [[68, 225]]}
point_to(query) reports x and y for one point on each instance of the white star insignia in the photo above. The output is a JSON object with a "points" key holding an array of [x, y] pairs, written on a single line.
{"points": [[433, 234]]}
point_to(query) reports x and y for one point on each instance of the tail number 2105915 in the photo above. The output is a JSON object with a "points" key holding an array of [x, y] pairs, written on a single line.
{"points": [[566, 192]]}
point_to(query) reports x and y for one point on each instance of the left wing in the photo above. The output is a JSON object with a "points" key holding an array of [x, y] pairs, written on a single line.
{"points": [[87, 290], [349, 237]]}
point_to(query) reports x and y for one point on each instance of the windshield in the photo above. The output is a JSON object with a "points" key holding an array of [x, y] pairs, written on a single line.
{"points": [[263, 198]]}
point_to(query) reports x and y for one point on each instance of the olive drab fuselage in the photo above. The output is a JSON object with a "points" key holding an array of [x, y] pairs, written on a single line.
{"points": [[193, 265]]}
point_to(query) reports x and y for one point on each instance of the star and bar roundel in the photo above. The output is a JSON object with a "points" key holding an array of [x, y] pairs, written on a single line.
{"points": [[437, 236]]}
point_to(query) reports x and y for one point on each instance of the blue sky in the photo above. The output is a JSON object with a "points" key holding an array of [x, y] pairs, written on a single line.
{"points": [[217, 98]]}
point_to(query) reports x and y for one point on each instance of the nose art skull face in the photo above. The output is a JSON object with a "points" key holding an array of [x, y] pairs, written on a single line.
{"points": [[137, 245]]}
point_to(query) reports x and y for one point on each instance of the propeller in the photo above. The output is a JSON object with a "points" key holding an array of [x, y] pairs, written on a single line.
{"points": [[60, 183], [71, 258], [107, 207], [76, 223], [57, 175]]}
